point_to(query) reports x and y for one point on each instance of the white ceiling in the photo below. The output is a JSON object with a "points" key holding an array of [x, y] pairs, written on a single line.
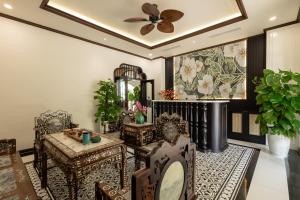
{"points": [[111, 15], [258, 12]]}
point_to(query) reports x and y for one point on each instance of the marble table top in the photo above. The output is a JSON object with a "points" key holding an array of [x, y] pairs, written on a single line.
{"points": [[73, 148]]}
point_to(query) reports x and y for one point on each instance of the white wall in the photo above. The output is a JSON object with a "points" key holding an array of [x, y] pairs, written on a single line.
{"points": [[41, 70], [283, 52], [283, 48]]}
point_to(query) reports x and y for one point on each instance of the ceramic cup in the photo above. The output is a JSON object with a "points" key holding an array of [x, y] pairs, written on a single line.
{"points": [[86, 137]]}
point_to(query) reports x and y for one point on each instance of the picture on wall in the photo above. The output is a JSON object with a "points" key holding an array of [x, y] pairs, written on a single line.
{"points": [[214, 73]]}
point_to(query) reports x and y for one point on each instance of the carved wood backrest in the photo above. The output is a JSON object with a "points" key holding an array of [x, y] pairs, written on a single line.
{"points": [[147, 183], [52, 122], [7, 146], [168, 127], [126, 116]]}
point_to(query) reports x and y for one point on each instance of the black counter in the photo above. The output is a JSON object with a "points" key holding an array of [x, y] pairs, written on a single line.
{"points": [[207, 121]]}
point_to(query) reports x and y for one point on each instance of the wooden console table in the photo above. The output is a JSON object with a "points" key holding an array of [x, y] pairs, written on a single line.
{"points": [[15, 182], [207, 120], [77, 160]]}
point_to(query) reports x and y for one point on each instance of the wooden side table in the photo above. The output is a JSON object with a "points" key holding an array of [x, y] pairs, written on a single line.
{"points": [[138, 134]]}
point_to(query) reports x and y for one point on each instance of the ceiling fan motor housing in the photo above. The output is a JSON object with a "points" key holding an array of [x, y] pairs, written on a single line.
{"points": [[153, 19]]}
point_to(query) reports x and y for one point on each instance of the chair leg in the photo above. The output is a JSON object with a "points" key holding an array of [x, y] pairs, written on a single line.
{"points": [[137, 160], [98, 195], [35, 157]]}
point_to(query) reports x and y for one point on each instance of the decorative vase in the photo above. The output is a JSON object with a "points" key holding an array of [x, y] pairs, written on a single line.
{"points": [[139, 118]]}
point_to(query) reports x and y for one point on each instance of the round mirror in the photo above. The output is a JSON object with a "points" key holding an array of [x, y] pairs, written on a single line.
{"points": [[172, 182]]}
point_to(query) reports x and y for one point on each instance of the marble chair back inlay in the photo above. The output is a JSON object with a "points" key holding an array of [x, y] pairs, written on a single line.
{"points": [[52, 122], [168, 127]]}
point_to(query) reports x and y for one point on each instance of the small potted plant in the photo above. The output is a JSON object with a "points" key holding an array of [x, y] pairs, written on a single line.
{"points": [[278, 95], [108, 103], [140, 113], [168, 94]]}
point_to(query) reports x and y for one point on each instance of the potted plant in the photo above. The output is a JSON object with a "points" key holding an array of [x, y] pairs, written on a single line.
{"points": [[140, 113], [108, 103], [278, 95]]}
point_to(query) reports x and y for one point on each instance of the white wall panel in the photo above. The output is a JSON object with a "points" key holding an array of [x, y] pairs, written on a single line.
{"points": [[41, 70]]}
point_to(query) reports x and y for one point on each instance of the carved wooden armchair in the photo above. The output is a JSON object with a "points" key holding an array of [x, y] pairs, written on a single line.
{"points": [[47, 123], [169, 175], [125, 117], [7, 146], [167, 128]]}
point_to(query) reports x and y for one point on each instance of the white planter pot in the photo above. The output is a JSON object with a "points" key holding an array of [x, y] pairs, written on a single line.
{"points": [[279, 145]]}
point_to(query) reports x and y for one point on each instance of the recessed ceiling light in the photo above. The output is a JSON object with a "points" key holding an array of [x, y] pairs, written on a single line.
{"points": [[104, 39], [194, 42], [273, 18], [7, 6], [150, 54]]}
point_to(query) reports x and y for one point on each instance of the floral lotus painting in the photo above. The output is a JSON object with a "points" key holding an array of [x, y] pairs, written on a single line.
{"points": [[215, 73]]}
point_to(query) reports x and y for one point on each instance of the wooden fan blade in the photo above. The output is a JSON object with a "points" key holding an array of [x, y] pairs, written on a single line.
{"points": [[147, 29], [150, 9], [171, 15], [165, 26], [136, 19]]}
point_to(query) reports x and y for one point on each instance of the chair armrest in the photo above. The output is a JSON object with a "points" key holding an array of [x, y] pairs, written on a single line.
{"points": [[7, 146], [74, 125], [103, 191]]}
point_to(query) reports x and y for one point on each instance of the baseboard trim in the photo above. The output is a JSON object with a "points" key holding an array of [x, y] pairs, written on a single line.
{"points": [[26, 152]]}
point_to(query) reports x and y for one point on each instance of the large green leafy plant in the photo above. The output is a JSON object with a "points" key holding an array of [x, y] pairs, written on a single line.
{"points": [[278, 95], [107, 102]]}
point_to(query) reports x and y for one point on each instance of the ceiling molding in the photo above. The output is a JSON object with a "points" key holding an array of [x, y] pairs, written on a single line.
{"points": [[297, 20], [230, 42], [213, 27], [68, 34], [126, 52], [282, 25], [234, 41], [44, 5]]}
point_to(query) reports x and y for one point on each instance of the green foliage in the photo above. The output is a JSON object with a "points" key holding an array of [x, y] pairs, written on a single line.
{"points": [[107, 102], [278, 95], [135, 94]]}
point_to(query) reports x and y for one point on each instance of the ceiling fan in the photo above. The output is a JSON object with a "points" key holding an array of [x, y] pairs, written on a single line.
{"points": [[164, 19]]}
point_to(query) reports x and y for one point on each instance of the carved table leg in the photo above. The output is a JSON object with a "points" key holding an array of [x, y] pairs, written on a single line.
{"points": [[137, 160], [142, 136], [123, 169], [72, 186], [44, 170]]}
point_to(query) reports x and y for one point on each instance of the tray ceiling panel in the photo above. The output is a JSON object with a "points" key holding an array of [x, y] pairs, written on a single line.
{"points": [[110, 15]]}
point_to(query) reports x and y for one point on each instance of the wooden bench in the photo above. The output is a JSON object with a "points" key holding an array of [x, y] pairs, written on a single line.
{"points": [[14, 180]]}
